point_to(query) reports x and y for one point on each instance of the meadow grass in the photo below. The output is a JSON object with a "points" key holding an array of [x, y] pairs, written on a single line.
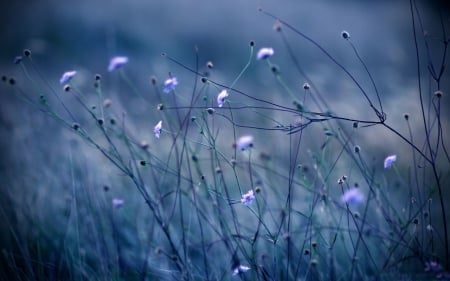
{"points": [[220, 183]]}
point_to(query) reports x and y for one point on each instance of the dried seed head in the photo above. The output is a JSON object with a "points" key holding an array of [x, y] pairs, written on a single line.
{"points": [[100, 121], [160, 106], [345, 34], [27, 53], [210, 110], [306, 86], [258, 189], [12, 81], [355, 125], [75, 126], [112, 121], [438, 94], [406, 116], [357, 149], [98, 77], [218, 170], [204, 79], [416, 221], [143, 162], [106, 188], [306, 252], [66, 88], [210, 65], [252, 43]]}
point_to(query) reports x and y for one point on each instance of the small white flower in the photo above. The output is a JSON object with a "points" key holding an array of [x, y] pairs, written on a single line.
{"points": [[169, 84], [157, 129], [306, 86], [245, 142], [389, 161], [240, 269], [248, 198], [352, 196], [264, 53], [67, 76], [117, 62], [117, 203], [221, 97]]}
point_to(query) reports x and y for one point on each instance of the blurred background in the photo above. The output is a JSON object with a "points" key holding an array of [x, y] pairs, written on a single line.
{"points": [[84, 35]]}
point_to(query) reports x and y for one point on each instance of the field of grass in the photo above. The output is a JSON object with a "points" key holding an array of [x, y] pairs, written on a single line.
{"points": [[284, 158]]}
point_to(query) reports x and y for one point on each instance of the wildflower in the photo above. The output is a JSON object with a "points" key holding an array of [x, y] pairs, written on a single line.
{"points": [[117, 62], [389, 161], [157, 129], [169, 84], [245, 142], [67, 76], [17, 60], [345, 34], [352, 196], [117, 203], [221, 97], [248, 198], [264, 53], [306, 86], [240, 269]]}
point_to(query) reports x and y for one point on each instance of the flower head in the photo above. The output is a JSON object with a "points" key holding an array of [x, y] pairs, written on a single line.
{"points": [[248, 198], [169, 84], [221, 97], [264, 53], [240, 269], [117, 62], [389, 161], [117, 203], [67, 76], [352, 196], [157, 129], [245, 142]]}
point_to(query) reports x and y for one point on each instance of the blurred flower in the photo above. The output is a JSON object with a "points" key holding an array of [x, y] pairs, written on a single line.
{"points": [[245, 142], [248, 198], [264, 53], [352, 196], [157, 129], [67, 76], [117, 203], [169, 84], [221, 97], [389, 161], [432, 266], [240, 269], [117, 62]]}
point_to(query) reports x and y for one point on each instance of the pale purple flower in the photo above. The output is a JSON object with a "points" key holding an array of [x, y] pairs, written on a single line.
{"points": [[389, 161], [221, 97], [117, 203], [169, 84], [240, 269], [67, 76], [432, 266], [157, 129], [248, 198], [245, 142], [117, 62], [352, 196], [264, 53]]}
